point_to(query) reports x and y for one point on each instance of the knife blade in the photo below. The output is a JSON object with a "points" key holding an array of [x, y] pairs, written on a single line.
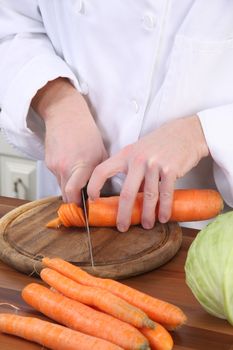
{"points": [[87, 228]]}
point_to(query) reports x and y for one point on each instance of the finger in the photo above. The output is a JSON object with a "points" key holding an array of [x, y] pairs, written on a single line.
{"points": [[77, 180], [166, 189], [58, 177], [63, 184], [150, 196], [141, 188], [62, 187], [55, 173], [128, 195], [102, 172]]}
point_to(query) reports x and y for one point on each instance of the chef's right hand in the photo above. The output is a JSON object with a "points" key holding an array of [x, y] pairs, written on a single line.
{"points": [[73, 143]]}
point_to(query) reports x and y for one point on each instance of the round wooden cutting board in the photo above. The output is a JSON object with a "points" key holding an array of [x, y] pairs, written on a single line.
{"points": [[24, 240]]}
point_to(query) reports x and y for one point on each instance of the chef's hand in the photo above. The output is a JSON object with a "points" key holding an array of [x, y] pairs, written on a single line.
{"points": [[73, 144], [155, 161]]}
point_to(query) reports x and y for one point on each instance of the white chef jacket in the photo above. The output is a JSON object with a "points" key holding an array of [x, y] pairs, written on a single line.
{"points": [[138, 64]]}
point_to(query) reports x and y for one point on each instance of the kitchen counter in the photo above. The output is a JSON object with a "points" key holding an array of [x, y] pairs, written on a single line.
{"points": [[202, 331]]}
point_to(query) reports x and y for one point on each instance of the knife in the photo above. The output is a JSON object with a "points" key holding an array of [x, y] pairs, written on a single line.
{"points": [[87, 228]]}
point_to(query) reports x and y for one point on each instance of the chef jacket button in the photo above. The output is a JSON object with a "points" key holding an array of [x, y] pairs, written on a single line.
{"points": [[135, 106], [148, 21], [84, 88], [79, 6]]}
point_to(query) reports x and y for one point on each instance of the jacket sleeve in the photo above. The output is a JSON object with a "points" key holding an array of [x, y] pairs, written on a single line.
{"points": [[217, 124], [27, 62]]}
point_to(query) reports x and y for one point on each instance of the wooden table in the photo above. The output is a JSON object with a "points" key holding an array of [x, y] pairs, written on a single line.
{"points": [[202, 331]]}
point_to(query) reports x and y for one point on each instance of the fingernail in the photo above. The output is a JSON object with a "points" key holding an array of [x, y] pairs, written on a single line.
{"points": [[122, 228], [92, 198], [163, 219], [147, 225]]}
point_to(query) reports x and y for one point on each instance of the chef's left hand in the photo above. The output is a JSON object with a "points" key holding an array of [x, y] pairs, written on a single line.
{"points": [[156, 161]]}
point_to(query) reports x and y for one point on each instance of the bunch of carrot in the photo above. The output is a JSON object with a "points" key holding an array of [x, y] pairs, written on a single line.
{"points": [[92, 313], [188, 205]]}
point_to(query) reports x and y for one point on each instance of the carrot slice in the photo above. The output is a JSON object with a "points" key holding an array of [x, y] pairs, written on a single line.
{"points": [[78, 215], [71, 214], [62, 214], [55, 223]]}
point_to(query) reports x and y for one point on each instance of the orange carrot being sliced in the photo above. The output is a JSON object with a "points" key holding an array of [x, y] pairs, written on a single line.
{"points": [[97, 297], [103, 211], [158, 310], [83, 318], [188, 205], [159, 338], [196, 205], [53, 336]]}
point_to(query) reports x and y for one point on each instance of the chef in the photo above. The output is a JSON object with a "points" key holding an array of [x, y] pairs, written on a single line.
{"points": [[122, 95]]}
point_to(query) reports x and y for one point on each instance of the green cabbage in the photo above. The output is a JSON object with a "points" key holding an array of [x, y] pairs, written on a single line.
{"points": [[209, 267]]}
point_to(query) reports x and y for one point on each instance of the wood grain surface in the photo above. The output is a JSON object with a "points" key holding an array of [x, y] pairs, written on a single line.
{"points": [[24, 240], [202, 331]]}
